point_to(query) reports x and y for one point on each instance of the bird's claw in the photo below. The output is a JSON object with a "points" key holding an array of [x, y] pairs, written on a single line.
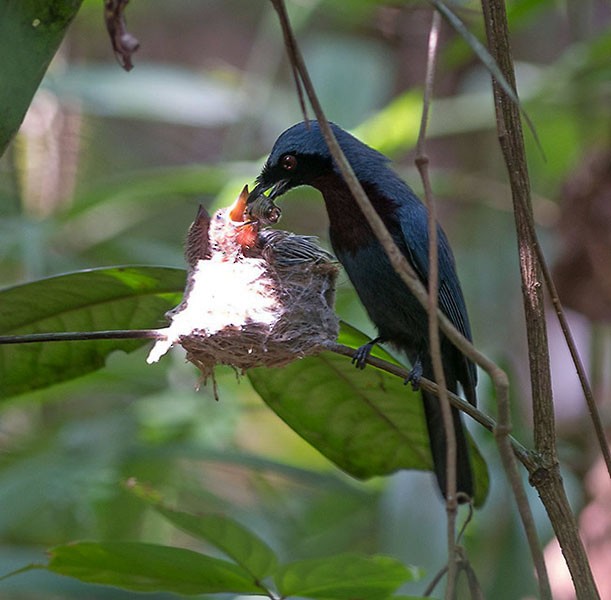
{"points": [[359, 359], [414, 376]]}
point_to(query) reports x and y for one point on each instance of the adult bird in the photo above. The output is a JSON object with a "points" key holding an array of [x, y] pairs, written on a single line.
{"points": [[300, 156]]}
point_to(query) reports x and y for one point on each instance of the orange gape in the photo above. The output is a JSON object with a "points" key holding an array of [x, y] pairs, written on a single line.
{"points": [[247, 233]]}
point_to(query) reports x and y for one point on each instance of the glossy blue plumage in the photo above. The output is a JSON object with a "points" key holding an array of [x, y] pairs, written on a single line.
{"points": [[398, 316]]}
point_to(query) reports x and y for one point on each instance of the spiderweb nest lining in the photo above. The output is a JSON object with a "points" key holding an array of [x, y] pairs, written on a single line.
{"points": [[254, 297]]}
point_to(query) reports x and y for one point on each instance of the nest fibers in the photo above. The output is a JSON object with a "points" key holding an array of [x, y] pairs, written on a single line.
{"points": [[253, 297]]}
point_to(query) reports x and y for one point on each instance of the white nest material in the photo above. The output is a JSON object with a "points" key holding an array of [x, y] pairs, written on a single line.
{"points": [[266, 301]]}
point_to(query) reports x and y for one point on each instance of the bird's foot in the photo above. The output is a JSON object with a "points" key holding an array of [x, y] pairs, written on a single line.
{"points": [[414, 376], [359, 360]]}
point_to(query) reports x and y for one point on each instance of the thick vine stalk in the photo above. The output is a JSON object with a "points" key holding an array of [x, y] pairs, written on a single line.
{"points": [[546, 479]]}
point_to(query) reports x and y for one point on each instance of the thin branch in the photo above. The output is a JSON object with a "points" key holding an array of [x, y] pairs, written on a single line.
{"points": [[522, 453], [291, 44], [508, 458], [422, 162], [570, 342], [430, 588], [80, 336], [157, 334], [547, 479], [475, 589], [489, 63]]}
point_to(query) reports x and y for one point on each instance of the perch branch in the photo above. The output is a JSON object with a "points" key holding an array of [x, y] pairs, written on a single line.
{"points": [[80, 336], [522, 453]]}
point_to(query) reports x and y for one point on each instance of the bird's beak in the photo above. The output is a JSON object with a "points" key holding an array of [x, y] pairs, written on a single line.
{"points": [[276, 189], [236, 211]]}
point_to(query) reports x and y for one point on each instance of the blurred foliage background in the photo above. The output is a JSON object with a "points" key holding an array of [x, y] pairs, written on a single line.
{"points": [[108, 169]]}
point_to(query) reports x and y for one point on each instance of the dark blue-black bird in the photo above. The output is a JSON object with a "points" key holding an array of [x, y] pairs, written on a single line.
{"points": [[300, 156]]}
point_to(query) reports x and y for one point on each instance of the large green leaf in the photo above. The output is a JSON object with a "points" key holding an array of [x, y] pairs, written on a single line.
{"points": [[92, 300], [344, 576], [238, 543], [367, 422], [150, 567]]}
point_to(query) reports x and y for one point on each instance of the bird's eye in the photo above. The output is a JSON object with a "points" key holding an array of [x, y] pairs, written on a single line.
{"points": [[288, 162]]}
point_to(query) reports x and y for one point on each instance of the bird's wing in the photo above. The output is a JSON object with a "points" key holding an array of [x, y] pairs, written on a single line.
{"points": [[414, 243]]}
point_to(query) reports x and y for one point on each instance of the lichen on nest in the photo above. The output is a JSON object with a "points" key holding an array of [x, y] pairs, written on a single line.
{"points": [[254, 296]]}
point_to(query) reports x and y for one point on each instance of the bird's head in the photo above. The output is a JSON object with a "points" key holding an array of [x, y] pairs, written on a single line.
{"points": [[300, 156]]}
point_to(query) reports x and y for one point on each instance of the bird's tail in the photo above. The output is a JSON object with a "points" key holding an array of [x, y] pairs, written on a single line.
{"points": [[437, 437]]}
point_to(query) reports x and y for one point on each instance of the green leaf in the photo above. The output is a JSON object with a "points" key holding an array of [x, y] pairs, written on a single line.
{"points": [[237, 542], [92, 300], [149, 567], [346, 576], [30, 33], [366, 422]]}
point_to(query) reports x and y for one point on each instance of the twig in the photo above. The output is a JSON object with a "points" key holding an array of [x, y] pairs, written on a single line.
{"points": [[547, 479], [570, 342], [422, 163], [488, 61], [79, 336], [433, 584], [475, 589], [291, 44], [123, 42]]}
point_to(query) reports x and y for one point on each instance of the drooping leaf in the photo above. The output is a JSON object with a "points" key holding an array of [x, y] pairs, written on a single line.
{"points": [[344, 576], [92, 300], [149, 567], [367, 422], [238, 543]]}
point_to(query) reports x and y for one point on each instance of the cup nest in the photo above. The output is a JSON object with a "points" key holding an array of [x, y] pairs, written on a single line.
{"points": [[254, 296]]}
